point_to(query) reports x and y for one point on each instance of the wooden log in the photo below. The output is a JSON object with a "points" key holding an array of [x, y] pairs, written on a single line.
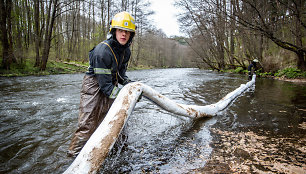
{"points": [[102, 140]]}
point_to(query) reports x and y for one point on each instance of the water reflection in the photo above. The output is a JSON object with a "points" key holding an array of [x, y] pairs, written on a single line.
{"points": [[258, 132]]}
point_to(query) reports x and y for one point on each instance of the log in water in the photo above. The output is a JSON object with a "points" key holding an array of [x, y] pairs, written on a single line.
{"points": [[102, 140]]}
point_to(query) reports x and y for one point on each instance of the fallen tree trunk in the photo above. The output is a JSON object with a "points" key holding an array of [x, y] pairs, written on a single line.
{"points": [[102, 140]]}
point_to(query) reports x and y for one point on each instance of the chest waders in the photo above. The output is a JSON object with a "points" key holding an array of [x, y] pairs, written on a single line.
{"points": [[93, 108]]}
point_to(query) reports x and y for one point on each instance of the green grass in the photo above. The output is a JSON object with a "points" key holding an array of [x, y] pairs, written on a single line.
{"points": [[27, 68], [53, 67], [238, 70], [290, 73]]}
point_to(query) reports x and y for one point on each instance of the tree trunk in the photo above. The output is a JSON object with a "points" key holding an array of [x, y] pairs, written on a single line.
{"points": [[36, 35], [7, 60], [232, 30], [48, 35], [108, 14], [220, 34], [103, 33], [9, 31], [301, 63]]}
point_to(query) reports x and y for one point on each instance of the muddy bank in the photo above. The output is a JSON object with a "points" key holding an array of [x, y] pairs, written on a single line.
{"points": [[297, 80], [250, 152]]}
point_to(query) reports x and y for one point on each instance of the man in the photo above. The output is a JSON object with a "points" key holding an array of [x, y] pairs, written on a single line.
{"points": [[252, 68], [108, 64]]}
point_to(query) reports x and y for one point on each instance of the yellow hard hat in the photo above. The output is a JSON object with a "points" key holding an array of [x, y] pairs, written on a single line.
{"points": [[124, 21], [255, 60]]}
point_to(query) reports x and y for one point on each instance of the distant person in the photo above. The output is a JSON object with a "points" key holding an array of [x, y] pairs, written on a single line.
{"points": [[252, 68], [107, 67]]}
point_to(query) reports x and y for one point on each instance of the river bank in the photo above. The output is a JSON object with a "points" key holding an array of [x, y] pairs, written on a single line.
{"points": [[72, 67], [53, 68], [296, 80]]}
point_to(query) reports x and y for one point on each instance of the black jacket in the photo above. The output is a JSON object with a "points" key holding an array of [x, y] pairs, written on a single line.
{"points": [[109, 65], [252, 65]]}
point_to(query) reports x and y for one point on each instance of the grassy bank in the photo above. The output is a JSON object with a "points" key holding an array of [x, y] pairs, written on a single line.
{"points": [[53, 67], [61, 67], [288, 73]]}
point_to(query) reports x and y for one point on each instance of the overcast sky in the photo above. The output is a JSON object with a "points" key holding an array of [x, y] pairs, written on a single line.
{"points": [[165, 16]]}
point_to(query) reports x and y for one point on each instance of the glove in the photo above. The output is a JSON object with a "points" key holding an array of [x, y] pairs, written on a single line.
{"points": [[115, 92], [126, 81]]}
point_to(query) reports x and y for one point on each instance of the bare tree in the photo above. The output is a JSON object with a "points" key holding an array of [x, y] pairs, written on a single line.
{"points": [[272, 18], [36, 33], [51, 15], [67, 30], [235, 31], [141, 13], [206, 29]]}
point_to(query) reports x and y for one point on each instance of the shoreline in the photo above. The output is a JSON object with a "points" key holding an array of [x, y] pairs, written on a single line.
{"points": [[295, 80], [82, 69]]}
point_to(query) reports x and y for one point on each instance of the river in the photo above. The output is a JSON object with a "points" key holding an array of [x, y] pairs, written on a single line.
{"points": [[263, 130]]}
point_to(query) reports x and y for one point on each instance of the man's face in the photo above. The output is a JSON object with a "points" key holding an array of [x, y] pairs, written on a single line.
{"points": [[122, 36]]}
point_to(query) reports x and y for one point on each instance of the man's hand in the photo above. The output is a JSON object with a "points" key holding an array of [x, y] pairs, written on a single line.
{"points": [[126, 81]]}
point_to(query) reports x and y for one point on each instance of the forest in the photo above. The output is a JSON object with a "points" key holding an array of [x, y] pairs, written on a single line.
{"points": [[216, 34]]}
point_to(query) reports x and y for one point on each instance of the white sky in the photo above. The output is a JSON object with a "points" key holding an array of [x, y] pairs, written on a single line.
{"points": [[165, 16]]}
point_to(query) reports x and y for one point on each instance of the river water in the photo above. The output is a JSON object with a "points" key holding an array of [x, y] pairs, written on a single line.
{"points": [[263, 130]]}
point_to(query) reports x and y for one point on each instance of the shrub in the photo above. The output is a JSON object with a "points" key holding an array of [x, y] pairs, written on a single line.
{"points": [[238, 70], [266, 74], [290, 73]]}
